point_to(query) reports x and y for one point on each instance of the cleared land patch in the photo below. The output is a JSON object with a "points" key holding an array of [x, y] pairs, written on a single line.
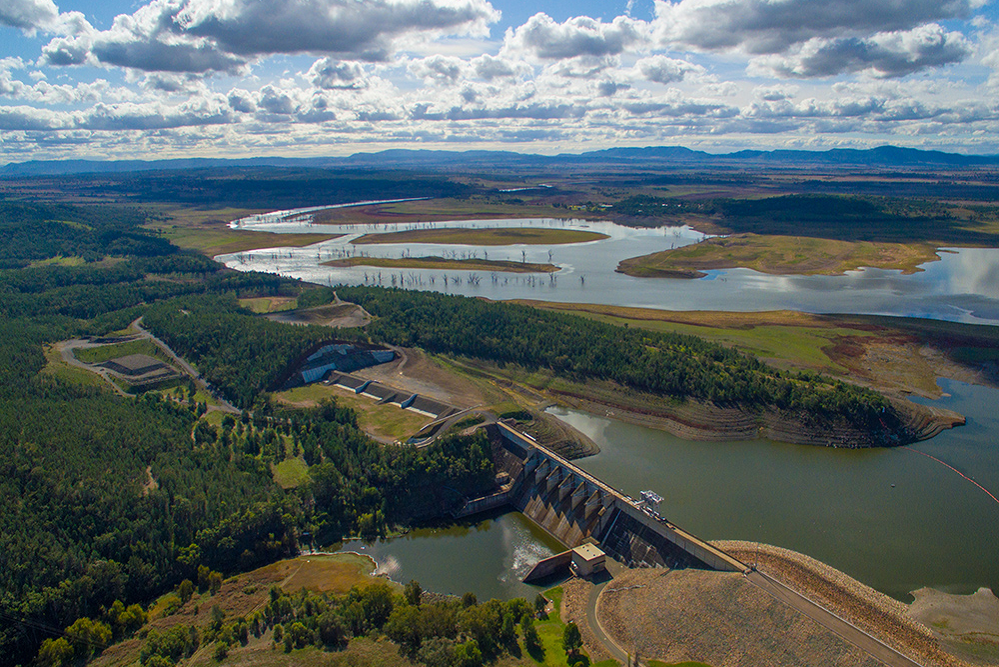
{"points": [[779, 255], [382, 421], [290, 473], [441, 263], [484, 237], [718, 618], [57, 367], [337, 315], [97, 355], [269, 304]]}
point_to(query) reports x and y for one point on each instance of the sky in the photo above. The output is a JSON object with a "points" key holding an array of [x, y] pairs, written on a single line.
{"points": [[127, 79]]}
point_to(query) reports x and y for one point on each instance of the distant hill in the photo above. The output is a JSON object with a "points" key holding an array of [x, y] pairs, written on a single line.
{"points": [[881, 157]]}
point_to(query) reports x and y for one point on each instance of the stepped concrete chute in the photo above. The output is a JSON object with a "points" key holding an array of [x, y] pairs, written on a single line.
{"points": [[575, 508]]}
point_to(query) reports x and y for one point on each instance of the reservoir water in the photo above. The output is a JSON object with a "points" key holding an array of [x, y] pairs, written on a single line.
{"points": [[895, 519], [962, 286]]}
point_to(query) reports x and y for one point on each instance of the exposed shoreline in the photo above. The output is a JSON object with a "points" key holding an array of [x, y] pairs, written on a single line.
{"points": [[779, 255], [695, 420]]}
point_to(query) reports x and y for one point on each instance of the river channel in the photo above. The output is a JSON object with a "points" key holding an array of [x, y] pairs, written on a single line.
{"points": [[895, 519], [962, 286]]}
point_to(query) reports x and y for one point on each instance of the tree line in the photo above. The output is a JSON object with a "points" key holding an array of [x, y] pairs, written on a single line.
{"points": [[667, 364]]}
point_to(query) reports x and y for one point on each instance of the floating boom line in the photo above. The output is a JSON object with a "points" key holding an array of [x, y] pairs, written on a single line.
{"points": [[955, 470]]}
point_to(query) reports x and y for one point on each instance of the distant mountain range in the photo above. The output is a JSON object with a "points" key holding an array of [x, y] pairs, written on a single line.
{"points": [[884, 157]]}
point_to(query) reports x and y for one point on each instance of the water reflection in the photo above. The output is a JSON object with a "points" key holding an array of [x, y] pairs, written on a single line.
{"points": [[488, 558], [891, 518], [962, 286]]}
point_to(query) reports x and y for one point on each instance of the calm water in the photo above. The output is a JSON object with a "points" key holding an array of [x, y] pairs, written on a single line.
{"points": [[932, 528], [962, 286], [488, 558]]}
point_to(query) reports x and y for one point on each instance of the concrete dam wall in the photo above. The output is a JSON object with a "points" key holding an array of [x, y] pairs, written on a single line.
{"points": [[574, 507]]}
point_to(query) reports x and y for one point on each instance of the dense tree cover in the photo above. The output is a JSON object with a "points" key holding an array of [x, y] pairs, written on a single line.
{"points": [[661, 363], [257, 187], [30, 232], [241, 354], [847, 218], [438, 633], [112, 500]]}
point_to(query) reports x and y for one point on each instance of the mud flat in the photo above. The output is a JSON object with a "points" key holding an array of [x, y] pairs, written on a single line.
{"points": [[968, 625]]}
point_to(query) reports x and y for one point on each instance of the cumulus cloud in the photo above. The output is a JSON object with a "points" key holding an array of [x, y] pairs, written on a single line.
{"points": [[28, 14], [543, 38], [333, 74], [662, 69], [490, 67], [773, 26], [446, 70], [883, 55], [209, 35]]}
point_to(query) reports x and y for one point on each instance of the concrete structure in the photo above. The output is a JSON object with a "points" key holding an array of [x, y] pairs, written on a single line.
{"points": [[587, 560], [576, 508], [324, 358], [385, 394], [141, 371]]}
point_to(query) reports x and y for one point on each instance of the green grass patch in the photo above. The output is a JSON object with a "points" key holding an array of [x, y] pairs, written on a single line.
{"points": [[383, 421], [484, 237], [222, 240], [56, 367], [98, 355], [269, 304], [291, 473], [72, 260]]}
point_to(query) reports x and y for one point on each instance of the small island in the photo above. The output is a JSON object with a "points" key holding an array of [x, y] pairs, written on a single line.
{"points": [[444, 264], [779, 255], [487, 237]]}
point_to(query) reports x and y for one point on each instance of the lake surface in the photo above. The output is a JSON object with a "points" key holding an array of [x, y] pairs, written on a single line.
{"points": [[488, 558], [963, 286], [894, 519]]}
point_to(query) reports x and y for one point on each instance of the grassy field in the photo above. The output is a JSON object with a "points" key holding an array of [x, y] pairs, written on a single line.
{"points": [[98, 355], [291, 473], [222, 240], [269, 304], [58, 368], [786, 337], [382, 421], [72, 260], [888, 353], [334, 573], [441, 263], [779, 255], [484, 237]]}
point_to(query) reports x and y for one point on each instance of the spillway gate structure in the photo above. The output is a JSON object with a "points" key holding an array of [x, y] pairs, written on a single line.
{"points": [[575, 507]]}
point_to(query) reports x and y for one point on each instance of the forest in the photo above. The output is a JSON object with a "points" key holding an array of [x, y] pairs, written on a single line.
{"points": [[112, 499], [671, 365], [847, 218]]}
